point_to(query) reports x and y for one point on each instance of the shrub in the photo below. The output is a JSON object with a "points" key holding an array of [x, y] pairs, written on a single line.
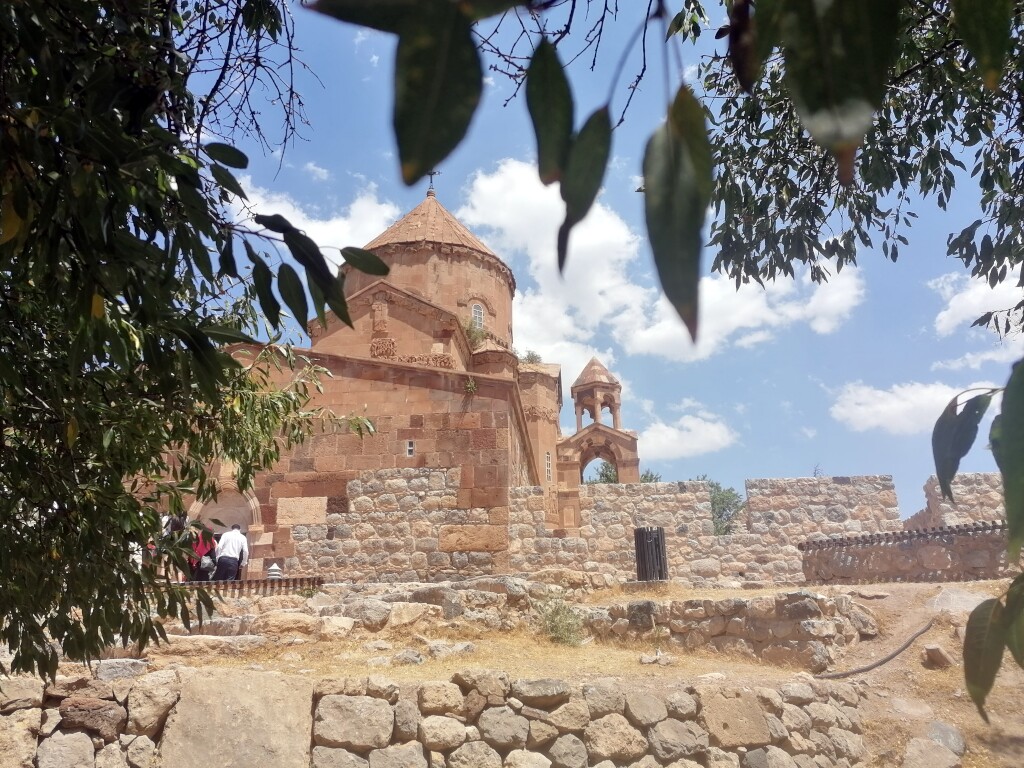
{"points": [[561, 623]]}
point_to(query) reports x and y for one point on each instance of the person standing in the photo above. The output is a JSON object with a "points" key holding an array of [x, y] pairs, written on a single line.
{"points": [[232, 554]]}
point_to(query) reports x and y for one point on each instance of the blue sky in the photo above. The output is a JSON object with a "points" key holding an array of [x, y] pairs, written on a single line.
{"points": [[847, 377]]}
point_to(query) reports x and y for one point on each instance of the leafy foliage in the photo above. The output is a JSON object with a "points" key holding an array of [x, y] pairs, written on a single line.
{"points": [[650, 476], [606, 473], [726, 504], [560, 622], [119, 288]]}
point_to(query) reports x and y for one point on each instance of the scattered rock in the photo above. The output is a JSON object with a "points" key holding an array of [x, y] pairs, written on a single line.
{"points": [[912, 708], [115, 669], [936, 656], [104, 718], [948, 736], [925, 753], [63, 750], [408, 656], [150, 701], [664, 659], [613, 738], [141, 752], [541, 693]]}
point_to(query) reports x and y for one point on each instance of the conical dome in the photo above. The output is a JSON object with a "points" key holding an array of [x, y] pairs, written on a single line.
{"points": [[429, 222], [595, 373]]}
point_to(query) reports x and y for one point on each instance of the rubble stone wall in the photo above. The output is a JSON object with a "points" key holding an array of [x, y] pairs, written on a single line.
{"points": [[480, 719], [978, 497], [979, 552]]}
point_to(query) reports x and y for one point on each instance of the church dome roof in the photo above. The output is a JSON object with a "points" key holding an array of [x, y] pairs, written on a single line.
{"points": [[430, 222], [595, 373]]}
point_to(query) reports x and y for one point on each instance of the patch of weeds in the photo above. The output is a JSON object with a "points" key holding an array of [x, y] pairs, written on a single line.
{"points": [[308, 592], [560, 623]]}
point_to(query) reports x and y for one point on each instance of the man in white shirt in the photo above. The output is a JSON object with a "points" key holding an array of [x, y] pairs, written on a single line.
{"points": [[232, 554]]}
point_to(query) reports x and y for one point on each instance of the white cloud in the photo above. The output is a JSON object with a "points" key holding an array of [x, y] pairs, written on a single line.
{"points": [[903, 409], [603, 293], [689, 435], [374, 60], [356, 224], [360, 37], [316, 172], [967, 298], [809, 432]]}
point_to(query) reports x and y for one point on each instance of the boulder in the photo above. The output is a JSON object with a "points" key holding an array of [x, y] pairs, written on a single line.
{"points": [[285, 624], [503, 729], [370, 614], [358, 723], [327, 757], [150, 701], [339, 686], [797, 693], [541, 734], [379, 687], [20, 692], [407, 720], [474, 754], [604, 698], [275, 709], [644, 709], [141, 753], [405, 614], [544, 694], [440, 734], [63, 687], [768, 757], [440, 699], [612, 738], [948, 736], [520, 758], [18, 733], [568, 751], [104, 718], [117, 669], [674, 739], [444, 597], [494, 686], [112, 756], [334, 627], [925, 753], [734, 719], [66, 750], [571, 717], [681, 706], [399, 756]]}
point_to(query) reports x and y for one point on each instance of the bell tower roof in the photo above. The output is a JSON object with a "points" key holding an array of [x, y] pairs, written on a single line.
{"points": [[595, 373]]}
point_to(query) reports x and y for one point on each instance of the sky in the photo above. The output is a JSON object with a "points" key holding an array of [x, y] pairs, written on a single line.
{"points": [[790, 380]]}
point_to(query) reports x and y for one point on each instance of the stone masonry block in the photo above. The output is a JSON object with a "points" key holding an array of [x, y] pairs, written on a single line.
{"points": [[302, 511], [473, 538]]}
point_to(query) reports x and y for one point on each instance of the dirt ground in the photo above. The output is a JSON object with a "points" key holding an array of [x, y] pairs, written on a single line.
{"points": [[904, 695]]}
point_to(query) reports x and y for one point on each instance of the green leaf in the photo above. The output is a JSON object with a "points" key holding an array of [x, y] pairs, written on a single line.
{"points": [[383, 15], [364, 261], [549, 101], [227, 335], [838, 57], [262, 279], [227, 181], [678, 179], [1007, 441], [583, 174], [953, 435], [1013, 619], [318, 300], [293, 293], [676, 25], [438, 82], [336, 300], [226, 155], [985, 27], [227, 258], [275, 223], [308, 254], [984, 641]]}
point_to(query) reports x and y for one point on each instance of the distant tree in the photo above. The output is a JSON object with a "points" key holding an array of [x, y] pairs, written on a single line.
{"points": [[531, 357], [606, 473], [726, 503], [818, 471], [650, 476]]}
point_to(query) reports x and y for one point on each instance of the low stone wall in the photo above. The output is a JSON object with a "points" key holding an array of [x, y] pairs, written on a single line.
{"points": [[480, 719], [978, 497], [961, 553], [802, 628]]}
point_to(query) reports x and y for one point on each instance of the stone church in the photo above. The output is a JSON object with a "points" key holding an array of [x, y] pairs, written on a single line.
{"points": [[431, 363]]}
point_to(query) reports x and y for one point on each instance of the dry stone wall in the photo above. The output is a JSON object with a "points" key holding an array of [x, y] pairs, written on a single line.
{"points": [[962, 553], [978, 497], [479, 719]]}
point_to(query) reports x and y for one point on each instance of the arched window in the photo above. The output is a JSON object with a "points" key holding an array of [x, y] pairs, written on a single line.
{"points": [[547, 465], [478, 316]]}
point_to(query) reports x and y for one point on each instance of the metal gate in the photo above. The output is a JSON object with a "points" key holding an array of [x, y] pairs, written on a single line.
{"points": [[651, 556]]}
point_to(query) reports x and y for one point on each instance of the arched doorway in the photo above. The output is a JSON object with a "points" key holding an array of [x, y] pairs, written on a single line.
{"points": [[230, 508]]}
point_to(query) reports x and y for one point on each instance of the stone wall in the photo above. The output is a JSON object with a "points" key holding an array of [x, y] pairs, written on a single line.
{"points": [[402, 525], [794, 509], [480, 719], [975, 551], [977, 497]]}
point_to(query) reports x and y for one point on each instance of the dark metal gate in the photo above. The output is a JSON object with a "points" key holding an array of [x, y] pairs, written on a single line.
{"points": [[651, 556]]}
